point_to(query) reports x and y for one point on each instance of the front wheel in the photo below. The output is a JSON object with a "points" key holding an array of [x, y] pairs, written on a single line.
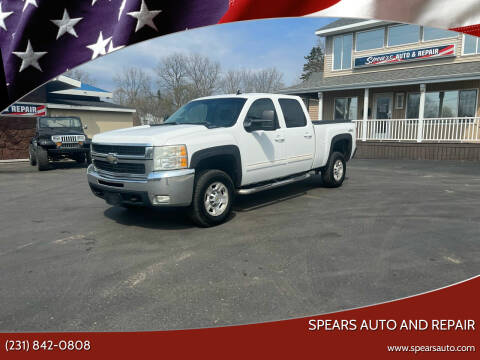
{"points": [[41, 158], [212, 198], [31, 156], [335, 170]]}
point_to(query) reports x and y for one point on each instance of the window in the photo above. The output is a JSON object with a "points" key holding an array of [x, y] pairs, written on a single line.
{"points": [[434, 34], [443, 104], [59, 122], [342, 52], [403, 34], [345, 108], [293, 113], [221, 112], [399, 100], [257, 109], [413, 105], [470, 45], [373, 39]]}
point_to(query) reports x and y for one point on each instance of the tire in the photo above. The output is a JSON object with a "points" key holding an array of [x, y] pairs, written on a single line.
{"points": [[41, 158], [334, 172], [219, 187], [31, 157]]}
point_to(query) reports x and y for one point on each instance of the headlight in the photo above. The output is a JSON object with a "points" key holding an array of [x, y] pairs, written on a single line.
{"points": [[56, 138], [170, 157], [81, 138]]}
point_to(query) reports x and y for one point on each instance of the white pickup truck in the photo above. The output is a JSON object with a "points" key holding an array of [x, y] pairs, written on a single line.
{"points": [[214, 148]]}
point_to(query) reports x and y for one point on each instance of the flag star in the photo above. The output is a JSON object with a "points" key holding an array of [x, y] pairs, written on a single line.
{"points": [[112, 49], [3, 16], [66, 24], [99, 47], [144, 17], [29, 57], [29, 2]]}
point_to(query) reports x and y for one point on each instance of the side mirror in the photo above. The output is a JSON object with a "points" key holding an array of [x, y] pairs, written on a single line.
{"points": [[85, 126], [267, 122]]}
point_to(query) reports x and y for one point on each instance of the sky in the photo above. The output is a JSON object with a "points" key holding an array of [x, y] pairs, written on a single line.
{"points": [[255, 45]]}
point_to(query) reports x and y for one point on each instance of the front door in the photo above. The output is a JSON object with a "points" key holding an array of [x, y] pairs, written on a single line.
{"points": [[383, 110], [262, 151]]}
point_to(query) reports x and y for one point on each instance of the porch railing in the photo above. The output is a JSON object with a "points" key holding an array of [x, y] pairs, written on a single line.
{"points": [[465, 129]]}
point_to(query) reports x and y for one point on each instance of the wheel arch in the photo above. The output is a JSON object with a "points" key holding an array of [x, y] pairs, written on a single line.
{"points": [[226, 158], [342, 143]]}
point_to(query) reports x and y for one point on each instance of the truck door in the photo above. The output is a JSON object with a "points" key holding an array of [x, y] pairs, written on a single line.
{"points": [[262, 150], [299, 136]]}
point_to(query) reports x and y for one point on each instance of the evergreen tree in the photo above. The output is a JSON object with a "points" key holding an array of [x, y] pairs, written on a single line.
{"points": [[314, 62]]}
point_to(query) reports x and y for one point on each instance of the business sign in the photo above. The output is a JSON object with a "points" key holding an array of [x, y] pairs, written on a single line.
{"points": [[405, 56], [19, 109]]}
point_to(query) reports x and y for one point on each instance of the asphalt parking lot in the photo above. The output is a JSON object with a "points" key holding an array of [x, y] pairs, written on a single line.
{"points": [[71, 262]]}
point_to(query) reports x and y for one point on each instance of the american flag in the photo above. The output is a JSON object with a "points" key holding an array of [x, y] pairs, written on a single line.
{"points": [[41, 39]]}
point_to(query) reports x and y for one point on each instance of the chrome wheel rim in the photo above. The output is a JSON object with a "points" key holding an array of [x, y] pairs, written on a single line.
{"points": [[216, 199], [338, 170]]}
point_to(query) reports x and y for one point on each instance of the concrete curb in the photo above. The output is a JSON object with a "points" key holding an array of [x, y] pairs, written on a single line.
{"points": [[13, 161]]}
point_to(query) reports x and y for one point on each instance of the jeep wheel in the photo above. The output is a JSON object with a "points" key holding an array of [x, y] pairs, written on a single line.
{"points": [[88, 155], [212, 198], [41, 158], [335, 170], [31, 157]]}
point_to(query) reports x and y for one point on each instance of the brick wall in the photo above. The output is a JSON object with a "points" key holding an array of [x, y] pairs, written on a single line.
{"points": [[15, 136]]}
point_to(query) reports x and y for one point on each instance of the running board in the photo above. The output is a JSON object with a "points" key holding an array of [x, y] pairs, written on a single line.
{"points": [[274, 184]]}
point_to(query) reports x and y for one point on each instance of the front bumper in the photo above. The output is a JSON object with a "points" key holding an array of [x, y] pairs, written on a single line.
{"points": [[172, 188]]}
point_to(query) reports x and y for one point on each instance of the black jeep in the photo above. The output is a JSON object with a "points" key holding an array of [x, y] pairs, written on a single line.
{"points": [[58, 138]]}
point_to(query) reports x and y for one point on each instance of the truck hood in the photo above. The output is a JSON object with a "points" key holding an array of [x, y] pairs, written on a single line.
{"points": [[152, 135]]}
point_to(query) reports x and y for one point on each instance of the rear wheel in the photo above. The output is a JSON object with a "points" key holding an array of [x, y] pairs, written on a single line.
{"points": [[212, 198], [335, 170], [41, 158]]}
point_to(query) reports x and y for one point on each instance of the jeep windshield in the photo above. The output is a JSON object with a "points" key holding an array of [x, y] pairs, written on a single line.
{"points": [[220, 112], [60, 122]]}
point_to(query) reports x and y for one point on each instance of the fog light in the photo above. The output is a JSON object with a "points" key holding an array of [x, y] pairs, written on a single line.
{"points": [[161, 199]]}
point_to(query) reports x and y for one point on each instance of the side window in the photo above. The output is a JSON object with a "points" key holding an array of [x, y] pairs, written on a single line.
{"points": [[293, 113], [258, 108]]}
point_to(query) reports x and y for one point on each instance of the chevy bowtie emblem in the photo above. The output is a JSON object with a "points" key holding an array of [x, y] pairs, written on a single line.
{"points": [[112, 158]]}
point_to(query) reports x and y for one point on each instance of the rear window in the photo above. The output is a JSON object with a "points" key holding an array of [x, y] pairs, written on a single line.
{"points": [[293, 113]]}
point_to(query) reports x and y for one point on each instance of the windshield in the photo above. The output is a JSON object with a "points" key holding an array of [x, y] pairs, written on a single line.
{"points": [[60, 122], [222, 112]]}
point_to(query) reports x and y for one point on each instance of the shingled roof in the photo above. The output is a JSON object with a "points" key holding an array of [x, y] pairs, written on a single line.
{"points": [[395, 77]]}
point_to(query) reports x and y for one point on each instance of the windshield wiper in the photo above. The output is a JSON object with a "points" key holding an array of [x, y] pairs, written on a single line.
{"points": [[204, 123], [166, 123]]}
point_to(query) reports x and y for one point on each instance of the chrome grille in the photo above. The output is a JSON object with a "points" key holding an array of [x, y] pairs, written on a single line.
{"points": [[72, 138]]}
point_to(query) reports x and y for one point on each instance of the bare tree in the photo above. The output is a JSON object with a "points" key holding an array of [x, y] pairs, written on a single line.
{"points": [[203, 75], [185, 77], [134, 89], [265, 80], [81, 75], [268, 80], [172, 76]]}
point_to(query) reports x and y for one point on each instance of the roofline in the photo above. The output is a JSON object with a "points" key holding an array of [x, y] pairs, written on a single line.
{"points": [[106, 94], [68, 80], [380, 84], [88, 108], [350, 27]]}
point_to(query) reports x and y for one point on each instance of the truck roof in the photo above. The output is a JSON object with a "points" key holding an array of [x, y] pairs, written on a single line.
{"points": [[250, 96]]}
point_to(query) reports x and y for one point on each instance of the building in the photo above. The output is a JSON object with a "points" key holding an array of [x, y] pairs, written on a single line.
{"points": [[61, 96], [412, 90]]}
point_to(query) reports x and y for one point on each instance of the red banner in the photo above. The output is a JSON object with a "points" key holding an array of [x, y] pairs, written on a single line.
{"points": [[440, 324]]}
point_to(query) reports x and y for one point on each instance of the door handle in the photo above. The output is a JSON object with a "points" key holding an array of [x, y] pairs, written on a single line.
{"points": [[279, 139], [307, 136]]}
